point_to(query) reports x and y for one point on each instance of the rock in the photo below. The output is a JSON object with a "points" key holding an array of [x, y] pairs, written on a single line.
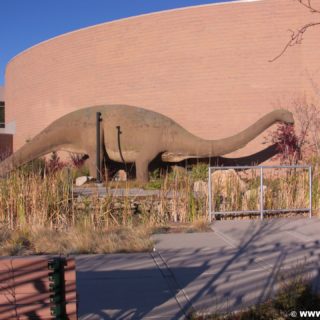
{"points": [[200, 187], [81, 181], [121, 175], [227, 180]]}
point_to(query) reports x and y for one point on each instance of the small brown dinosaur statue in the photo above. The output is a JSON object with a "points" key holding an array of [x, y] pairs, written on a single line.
{"points": [[134, 135]]}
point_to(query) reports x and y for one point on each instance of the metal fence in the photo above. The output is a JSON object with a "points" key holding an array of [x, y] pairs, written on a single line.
{"points": [[261, 210]]}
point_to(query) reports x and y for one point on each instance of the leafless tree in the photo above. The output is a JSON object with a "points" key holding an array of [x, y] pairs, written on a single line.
{"points": [[296, 37], [308, 117]]}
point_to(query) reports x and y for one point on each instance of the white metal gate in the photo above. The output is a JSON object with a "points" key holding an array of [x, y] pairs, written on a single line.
{"points": [[261, 210]]}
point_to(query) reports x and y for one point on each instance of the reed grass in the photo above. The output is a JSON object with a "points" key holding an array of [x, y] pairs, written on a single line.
{"points": [[282, 189], [33, 200], [40, 213], [28, 198], [74, 240]]}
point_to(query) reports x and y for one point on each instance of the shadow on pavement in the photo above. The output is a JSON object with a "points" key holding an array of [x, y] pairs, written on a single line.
{"points": [[129, 294], [222, 271]]}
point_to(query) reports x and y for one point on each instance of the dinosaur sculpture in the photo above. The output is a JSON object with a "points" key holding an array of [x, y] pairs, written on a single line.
{"points": [[134, 135]]}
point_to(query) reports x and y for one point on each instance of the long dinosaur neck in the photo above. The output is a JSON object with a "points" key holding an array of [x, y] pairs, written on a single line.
{"points": [[238, 141], [212, 148]]}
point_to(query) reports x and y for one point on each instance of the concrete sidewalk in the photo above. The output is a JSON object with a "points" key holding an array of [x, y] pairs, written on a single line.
{"points": [[236, 265]]}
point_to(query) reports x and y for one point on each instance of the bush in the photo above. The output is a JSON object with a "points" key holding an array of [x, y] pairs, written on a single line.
{"points": [[54, 164], [155, 180], [199, 172]]}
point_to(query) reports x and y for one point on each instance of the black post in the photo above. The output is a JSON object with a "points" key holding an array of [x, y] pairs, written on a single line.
{"points": [[98, 119], [57, 288]]}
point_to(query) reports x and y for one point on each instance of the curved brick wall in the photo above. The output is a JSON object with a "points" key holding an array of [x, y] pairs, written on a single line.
{"points": [[206, 67], [1, 93]]}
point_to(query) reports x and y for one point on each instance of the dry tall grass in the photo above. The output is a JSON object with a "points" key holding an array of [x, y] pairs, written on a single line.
{"points": [[29, 199], [282, 189], [74, 240], [31, 202], [39, 213]]}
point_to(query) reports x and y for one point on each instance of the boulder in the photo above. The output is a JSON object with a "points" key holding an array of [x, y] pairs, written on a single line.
{"points": [[227, 181], [81, 181], [121, 175], [200, 187]]}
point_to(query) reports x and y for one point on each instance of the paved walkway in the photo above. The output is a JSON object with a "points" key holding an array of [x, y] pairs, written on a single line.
{"points": [[234, 266]]}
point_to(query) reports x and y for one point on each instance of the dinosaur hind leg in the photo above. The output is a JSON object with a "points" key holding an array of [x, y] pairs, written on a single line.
{"points": [[142, 173]]}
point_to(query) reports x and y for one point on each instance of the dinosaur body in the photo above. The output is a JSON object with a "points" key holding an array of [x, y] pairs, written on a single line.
{"points": [[132, 134]]}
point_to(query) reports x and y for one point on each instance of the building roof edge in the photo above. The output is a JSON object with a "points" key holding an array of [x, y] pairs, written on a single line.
{"points": [[131, 18]]}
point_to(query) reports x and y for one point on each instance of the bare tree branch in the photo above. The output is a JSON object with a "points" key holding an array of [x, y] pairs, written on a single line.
{"points": [[308, 4], [297, 36]]}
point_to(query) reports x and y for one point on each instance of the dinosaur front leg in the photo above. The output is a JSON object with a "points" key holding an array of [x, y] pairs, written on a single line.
{"points": [[92, 166], [92, 162], [142, 173]]}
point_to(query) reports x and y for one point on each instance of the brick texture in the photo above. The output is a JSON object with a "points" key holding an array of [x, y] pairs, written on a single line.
{"points": [[206, 67]]}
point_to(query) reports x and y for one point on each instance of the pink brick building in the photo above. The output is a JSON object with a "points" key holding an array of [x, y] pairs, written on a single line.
{"points": [[207, 67]]}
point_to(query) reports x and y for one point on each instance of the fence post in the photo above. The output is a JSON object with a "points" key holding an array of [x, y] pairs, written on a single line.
{"points": [[310, 192], [98, 145], [261, 193], [209, 194]]}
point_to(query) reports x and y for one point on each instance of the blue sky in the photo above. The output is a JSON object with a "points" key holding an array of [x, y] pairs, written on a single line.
{"points": [[24, 23]]}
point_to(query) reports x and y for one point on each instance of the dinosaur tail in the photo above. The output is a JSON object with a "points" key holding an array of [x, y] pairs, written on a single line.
{"points": [[40, 145]]}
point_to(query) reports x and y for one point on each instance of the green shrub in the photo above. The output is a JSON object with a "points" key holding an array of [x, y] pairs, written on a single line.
{"points": [[199, 172], [155, 180]]}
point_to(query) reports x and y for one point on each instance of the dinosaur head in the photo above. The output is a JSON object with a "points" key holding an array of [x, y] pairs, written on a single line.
{"points": [[285, 116]]}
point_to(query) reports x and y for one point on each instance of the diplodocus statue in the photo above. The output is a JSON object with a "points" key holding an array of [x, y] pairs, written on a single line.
{"points": [[132, 134]]}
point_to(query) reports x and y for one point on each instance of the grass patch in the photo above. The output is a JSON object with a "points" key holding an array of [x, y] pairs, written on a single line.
{"points": [[32, 200], [200, 225], [74, 240], [84, 240]]}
